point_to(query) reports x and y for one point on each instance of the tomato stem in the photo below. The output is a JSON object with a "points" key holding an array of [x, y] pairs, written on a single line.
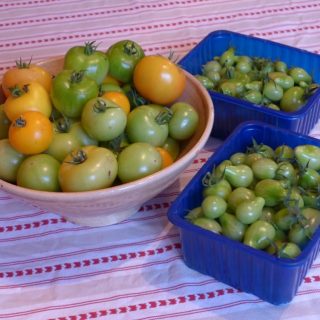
{"points": [[77, 76], [18, 92], [164, 117], [78, 157], [90, 48], [20, 122], [20, 64], [130, 48]]}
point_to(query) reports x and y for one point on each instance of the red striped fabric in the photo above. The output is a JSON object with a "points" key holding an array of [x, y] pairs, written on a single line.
{"points": [[53, 269]]}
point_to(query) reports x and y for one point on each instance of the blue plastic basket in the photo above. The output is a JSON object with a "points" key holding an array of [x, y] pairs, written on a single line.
{"points": [[272, 279], [229, 111]]}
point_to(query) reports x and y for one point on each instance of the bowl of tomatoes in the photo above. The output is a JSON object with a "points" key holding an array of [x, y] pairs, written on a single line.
{"points": [[96, 146]]}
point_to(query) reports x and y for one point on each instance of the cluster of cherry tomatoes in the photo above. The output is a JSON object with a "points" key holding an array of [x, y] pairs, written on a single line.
{"points": [[106, 118]]}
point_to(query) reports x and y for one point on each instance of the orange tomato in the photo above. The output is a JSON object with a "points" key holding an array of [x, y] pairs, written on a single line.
{"points": [[158, 79], [24, 73], [167, 159], [32, 97], [118, 98], [30, 133]]}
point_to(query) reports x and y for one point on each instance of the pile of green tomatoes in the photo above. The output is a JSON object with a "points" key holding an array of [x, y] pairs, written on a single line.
{"points": [[261, 81], [267, 198]]}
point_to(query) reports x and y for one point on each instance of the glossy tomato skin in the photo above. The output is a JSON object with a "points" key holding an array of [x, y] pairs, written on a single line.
{"points": [[23, 74], [31, 133], [138, 160], [32, 97], [144, 125], [184, 121], [88, 58], [70, 92], [39, 172], [159, 80], [10, 161], [88, 168], [103, 120], [123, 57]]}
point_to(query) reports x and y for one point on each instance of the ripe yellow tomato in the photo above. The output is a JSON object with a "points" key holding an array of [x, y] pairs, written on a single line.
{"points": [[158, 79], [24, 73], [32, 97], [30, 133], [119, 99]]}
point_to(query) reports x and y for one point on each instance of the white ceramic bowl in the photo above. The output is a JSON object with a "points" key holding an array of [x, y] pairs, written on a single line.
{"points": [[114, 204]]}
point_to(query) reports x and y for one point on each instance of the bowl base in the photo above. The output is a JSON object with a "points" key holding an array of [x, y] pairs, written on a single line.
{"points": [[101, 220]]}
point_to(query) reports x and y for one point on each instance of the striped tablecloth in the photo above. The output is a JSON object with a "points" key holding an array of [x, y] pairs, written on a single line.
{"points": [[52, 269]]}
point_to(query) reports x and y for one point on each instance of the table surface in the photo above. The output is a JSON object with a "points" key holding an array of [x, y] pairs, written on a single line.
{"points": [[53, 269]]}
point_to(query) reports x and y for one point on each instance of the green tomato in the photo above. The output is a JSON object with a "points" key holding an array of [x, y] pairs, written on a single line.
{"points": [[173, 147], [4, 123], [221, 188], [213, 206], [211, 66], [102, 119], [239, 176], [228, 57], [308, 156], [208, 224], [205, 81], [264, 168], [299, 75], [194, 214], [10, 161], [249, 211], [293, 99], [238, 158], [148, 124], [109, 87], [39, 172], [184, 121], [88, 168], [123, 57], [272, 91], [232, 227], [239, 195], [81, 135], [273, 191], [283, 152], [138, 160], [87, 58], [62, 144], [286, 171], [309, 179], [253, 96], [284, 219], [71, 90], [259, 235]]}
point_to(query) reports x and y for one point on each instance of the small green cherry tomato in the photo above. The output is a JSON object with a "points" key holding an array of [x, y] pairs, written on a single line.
{"points": [[208, 224], [273, 91], [39, 172], [232, 227], [239, 195], [308, 156], [221, 188], [213, 206], [249, 211], [138, 160], [194, 214], [239, 176], [259, 235], [264, 168], [293, 99], [271, 190]]}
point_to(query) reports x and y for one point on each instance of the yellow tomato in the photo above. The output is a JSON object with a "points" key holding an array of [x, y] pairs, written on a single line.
{"points": [[32, 97], [30, 133], [24, 73], [158, 79], [167, 159], [119, 99]]}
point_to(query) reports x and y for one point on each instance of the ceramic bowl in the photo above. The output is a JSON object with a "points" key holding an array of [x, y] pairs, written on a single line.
{"points": [[115, 204]]}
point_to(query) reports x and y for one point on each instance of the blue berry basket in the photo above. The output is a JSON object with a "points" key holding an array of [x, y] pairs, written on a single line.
{"points": [[230, 111], [275, 280]]}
